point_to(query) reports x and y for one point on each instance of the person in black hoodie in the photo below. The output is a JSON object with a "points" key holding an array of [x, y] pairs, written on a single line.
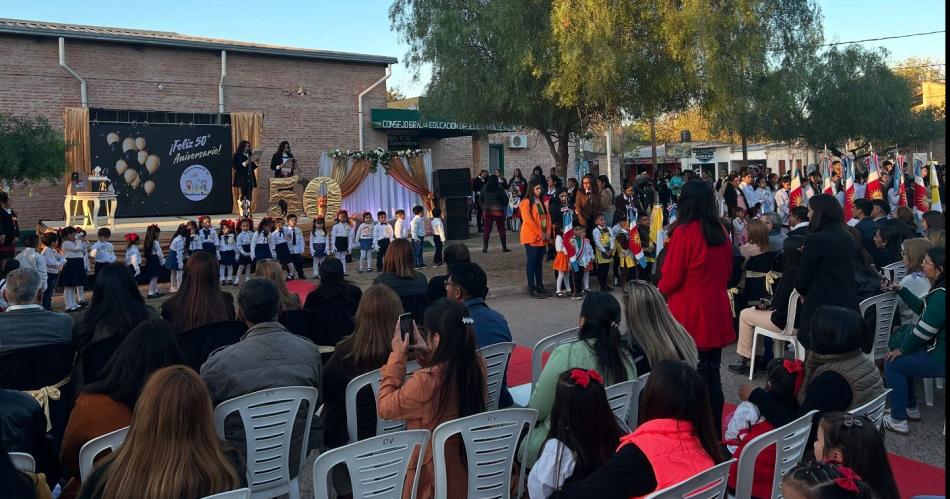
{"points": [[494, 202]]}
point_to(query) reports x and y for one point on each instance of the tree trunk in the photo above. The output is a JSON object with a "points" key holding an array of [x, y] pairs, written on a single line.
{"points": [[656, 173], [745, 151], [559, 148]]}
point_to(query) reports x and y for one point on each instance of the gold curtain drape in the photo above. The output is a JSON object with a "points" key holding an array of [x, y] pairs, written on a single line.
{"points": [[418, 169], [404, 177], [338, 172], [354, 177], [76, 131], [247, 126]]}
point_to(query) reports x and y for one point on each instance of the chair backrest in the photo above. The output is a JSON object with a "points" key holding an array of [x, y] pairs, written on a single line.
{"points": [[491, 440], [634, 410], [377, 466], [93, 448], [619, 396], [709, 484], [874, 409], [895, 271], [268, 417], [244, 493], [547, 345], [884, 306], [496, 363], [96, 355], [35, 367], [23, 462], [197, 344], [370, 379], [326, 325], [792, 311], [789, 441]]}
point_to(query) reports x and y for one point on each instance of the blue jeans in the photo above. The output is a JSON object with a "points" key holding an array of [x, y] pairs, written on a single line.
{"points": [[417, 251], [50, 288], [535, 255], [900, 374]]}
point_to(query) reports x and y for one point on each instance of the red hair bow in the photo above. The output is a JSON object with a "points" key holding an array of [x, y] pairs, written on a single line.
{"points": [[583, 377], [848, 480], [797, 368], [131, 237]]}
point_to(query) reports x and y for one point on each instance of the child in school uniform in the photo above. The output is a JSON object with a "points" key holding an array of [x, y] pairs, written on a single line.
{"points": [[604, 251], [352, 222], [207, 236], [133, 257], [278, 239], [561, 265], [154, 259], [295, 242], [401, 227], [227, 243], [175, 259], [626, 263], [193, 240], [73, 275], [438, 236], [417, 228], [31, 258], [382, 235], [582, 261], [318, 245], [340, 235], [102, 250], [54, 265], [514, 201], [262, 248], [364, 238], [244, 242]]}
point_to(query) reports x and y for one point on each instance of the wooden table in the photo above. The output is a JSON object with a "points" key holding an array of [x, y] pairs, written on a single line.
{"points": [[91, 202]]}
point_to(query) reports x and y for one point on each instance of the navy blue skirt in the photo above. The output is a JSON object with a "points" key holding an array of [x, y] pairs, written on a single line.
{"points": [[153, 267], [227, 257], [366, 244], [283, 252], [262, 252], [320, 249], [73, 273], [171, 260], [245, 259], [209, 247]]}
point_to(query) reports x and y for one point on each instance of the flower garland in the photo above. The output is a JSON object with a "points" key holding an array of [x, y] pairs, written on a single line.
{"points": [[376, 157]]}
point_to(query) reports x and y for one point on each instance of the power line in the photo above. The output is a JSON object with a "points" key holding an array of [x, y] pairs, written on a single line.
{"points": [[920, 66], [885, 38]]}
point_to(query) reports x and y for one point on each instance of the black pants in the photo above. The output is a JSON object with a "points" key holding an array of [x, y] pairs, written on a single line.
{"points": [[577, 281], [297, 260], [478, 217], [602, 270], [535, 257], [437, 257], [710, 361], [383, 244]]}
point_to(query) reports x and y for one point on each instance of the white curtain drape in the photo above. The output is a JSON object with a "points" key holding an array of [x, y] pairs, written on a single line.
{"points": [[379, 191]]}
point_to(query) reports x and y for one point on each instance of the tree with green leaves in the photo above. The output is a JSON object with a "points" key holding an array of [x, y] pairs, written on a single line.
{"points": [[491, 63], [30, 151]]}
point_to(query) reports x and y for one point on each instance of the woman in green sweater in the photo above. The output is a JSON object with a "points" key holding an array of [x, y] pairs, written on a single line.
{"points": [[599, 347], [918, 350]]}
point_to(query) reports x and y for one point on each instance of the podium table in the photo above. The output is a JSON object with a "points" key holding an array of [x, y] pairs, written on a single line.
{"points": [[90, 203]]}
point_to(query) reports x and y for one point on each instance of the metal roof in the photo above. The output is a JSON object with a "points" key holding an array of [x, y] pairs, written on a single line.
{"points": [[177, 40]]}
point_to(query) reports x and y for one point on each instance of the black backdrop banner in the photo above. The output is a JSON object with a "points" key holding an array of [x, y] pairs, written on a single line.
{"points": [[163, 170]]}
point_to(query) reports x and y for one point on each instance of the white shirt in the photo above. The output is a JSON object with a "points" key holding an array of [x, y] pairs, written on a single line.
{"points": [[799, 225], [544, 479], [277, 237], [318, 236], [261, 238], [29, 258], [178, 246], [157, 250], [600, 246], [195, 243], [438, 229], [292, 233], [365, 231], [133, 258], [860, 190], [54, 260], [103, 252], [746, 415], [916, 283], [781, 204], [382, 231], [765, 197], [401, 229], [340, 230], [73, 249], [226, 242], [243, 239], [418, 227], [209, 235]]}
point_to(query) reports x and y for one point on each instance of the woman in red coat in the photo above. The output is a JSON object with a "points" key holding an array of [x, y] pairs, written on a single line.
{"points": [[694, 280]]}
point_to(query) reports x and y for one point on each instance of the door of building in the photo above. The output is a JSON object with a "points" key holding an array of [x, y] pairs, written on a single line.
{"points": [[496, 158]]}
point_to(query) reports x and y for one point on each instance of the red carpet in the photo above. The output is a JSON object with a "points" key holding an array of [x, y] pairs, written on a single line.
{"points": [[913, 477]]}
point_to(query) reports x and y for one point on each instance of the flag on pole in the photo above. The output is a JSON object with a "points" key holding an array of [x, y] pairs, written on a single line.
{"points": [[920, 189], [656, 223], [935, 203], [796, 197], [874, 180], [899, 181], [636, 245], [847, 165], [827, 186]]}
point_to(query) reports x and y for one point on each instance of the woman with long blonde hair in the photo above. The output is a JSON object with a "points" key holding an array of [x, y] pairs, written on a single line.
{"points": [[171, 449], [271, 269], [652, 326]]}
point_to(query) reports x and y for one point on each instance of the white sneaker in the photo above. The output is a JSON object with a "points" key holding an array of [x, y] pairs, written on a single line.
{"points": [[899, 427], [913, 413]]}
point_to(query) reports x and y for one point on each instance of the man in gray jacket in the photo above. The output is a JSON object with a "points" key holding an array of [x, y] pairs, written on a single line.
{"points": [[268, 356], [26, 323]]}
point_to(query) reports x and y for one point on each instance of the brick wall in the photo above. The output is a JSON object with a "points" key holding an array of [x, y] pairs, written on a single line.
{"points": [[127, 77], [537, 152]]}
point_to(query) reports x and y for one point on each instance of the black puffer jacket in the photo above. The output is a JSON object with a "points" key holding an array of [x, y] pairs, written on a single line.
{"points": [[494, 200]]}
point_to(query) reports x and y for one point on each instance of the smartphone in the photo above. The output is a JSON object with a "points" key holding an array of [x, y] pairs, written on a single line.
{"points": [[406, 326]]}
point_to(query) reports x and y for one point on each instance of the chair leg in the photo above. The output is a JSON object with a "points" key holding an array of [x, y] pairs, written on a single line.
{"points": [[755, 340], [928, 391], [293, 491], [938, 382]]}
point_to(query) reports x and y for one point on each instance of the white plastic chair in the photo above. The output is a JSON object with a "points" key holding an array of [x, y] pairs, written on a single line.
{"points": [[496, 363], [372, 380], [522, 393], [895, 271], [244, 493], [23, 462], [91, 450], [491, 441], [619, 397], [787, 335], [885, 306], [709, 484], [268, 417], [634, 410], [874, 409], [789, 441], [377, 466]]}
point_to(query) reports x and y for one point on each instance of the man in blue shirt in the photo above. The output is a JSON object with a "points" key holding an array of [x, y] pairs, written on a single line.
{"points": [[467, 283]]}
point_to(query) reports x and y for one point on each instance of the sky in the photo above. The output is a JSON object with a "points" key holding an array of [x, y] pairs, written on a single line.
{"points": [[363, 26]]}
